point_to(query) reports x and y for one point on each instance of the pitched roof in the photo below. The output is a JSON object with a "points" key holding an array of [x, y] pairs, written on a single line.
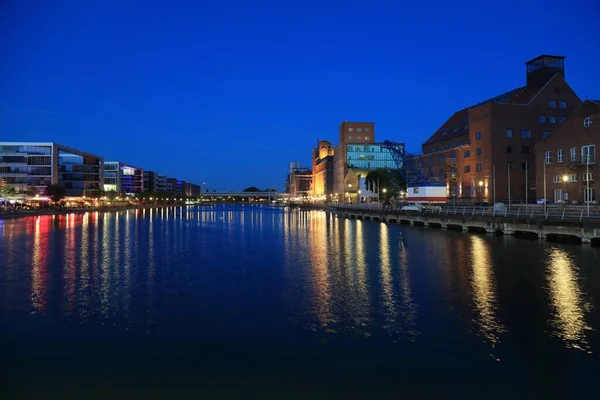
{"points": [[584, 110], [458, 123]]}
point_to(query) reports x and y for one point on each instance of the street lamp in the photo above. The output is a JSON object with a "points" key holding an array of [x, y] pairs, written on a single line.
{"points": [[565, 180], [359, 192], [481, 190]]}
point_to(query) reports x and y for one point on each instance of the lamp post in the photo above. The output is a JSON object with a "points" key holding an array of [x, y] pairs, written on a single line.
{"points": [[384, 192], [481, 190], [565, 180], [359, 199]]}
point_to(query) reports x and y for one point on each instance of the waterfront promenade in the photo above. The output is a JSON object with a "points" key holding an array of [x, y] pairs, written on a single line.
{"points": [[554, 223]]}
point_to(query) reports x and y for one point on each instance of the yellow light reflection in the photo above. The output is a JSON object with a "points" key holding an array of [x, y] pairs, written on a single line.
{"points": [[360, 296], [484, 291], [319, 252], [386, 278], [567, 300]]}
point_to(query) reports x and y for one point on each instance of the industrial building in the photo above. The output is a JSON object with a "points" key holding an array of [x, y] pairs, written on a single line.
{"points": [[567, 168], [485, 152], [322, 170]]}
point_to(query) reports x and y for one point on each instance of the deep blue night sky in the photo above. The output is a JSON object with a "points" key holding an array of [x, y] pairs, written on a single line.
{"points": [[228, 92]]}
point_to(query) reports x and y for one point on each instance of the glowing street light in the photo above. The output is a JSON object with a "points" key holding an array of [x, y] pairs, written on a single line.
{"points": [[565, 179]]}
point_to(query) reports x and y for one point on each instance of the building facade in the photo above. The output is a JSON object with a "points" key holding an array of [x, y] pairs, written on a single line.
{"points": [[33, 166], [567, 169], [123, 178], [171, 185], [322, 169], [359, 133], [300, 182], [485, 152], [192, 190], [154, 182]]}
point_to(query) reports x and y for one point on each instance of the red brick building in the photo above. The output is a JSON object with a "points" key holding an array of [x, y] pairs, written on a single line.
{"points": [[485, 152], [567, 167]]}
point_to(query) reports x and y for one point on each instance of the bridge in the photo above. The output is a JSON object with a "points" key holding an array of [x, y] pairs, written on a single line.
{"points": [[270, 195], [554, 223]]}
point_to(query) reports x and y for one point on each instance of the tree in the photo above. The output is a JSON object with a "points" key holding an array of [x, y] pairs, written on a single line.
{"points": [[391, 180], [56, 192], [252, 189], [111, 195], [7, 191], [96, 194]]}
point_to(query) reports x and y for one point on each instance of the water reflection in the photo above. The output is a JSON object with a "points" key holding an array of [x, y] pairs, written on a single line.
{"points": [[484, 291], [408, 307], [568, 301], [39, 265], [388, 300]]}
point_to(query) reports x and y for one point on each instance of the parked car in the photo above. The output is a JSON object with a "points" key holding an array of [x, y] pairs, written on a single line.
{"points": [[411, 207]]}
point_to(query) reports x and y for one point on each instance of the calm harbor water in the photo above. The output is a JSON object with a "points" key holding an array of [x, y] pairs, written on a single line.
{"points": [[243, 301]]}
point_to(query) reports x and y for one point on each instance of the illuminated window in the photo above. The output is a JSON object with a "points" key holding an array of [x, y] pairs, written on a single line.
{"points": [[358, 130]]}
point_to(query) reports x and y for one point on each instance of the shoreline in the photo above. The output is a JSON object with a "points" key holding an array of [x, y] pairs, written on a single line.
{"points": [[37, 213]]}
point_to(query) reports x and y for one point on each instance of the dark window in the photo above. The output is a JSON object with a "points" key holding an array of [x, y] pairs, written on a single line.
{"points": [[562, 104], [478, 151], [478, 136], [525, 166], [478, 167], [509, 149], [526, 149], [509, 133], [526, 134], [542, 118], [467, 153], [552, 104], [467, 168], [442, 158], [552, 119]]}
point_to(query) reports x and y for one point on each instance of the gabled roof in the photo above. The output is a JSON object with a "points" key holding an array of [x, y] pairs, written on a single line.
{"points": [[584, 110], [458, 124]]}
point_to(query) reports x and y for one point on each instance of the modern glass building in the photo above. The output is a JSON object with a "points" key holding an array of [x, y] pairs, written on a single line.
{"points": [[35, 165], [369, 156], [123, 178], [154, 182]]}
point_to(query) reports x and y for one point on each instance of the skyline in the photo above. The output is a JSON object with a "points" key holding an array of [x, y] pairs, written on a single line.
{"points": [[134, 84]]}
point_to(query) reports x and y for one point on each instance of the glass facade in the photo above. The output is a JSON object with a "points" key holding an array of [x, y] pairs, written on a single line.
{"points": [[369, 156], [79, 174], [37, 165]]}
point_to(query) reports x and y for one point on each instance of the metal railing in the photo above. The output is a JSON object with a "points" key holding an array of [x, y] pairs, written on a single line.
{"points": [[558, 213]]}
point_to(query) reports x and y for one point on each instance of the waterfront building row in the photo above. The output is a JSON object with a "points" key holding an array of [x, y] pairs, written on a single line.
{"points": [[536, 141], [30, 167]]}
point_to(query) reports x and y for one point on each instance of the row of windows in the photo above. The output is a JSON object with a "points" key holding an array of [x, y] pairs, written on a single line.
{"points": [[525, 149], [588, 155], [26, 170], [358, 130], [525, 133], [478, 152], [552, 119], [359, 138], [41, 150], [561, 104], [587, 177]]}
